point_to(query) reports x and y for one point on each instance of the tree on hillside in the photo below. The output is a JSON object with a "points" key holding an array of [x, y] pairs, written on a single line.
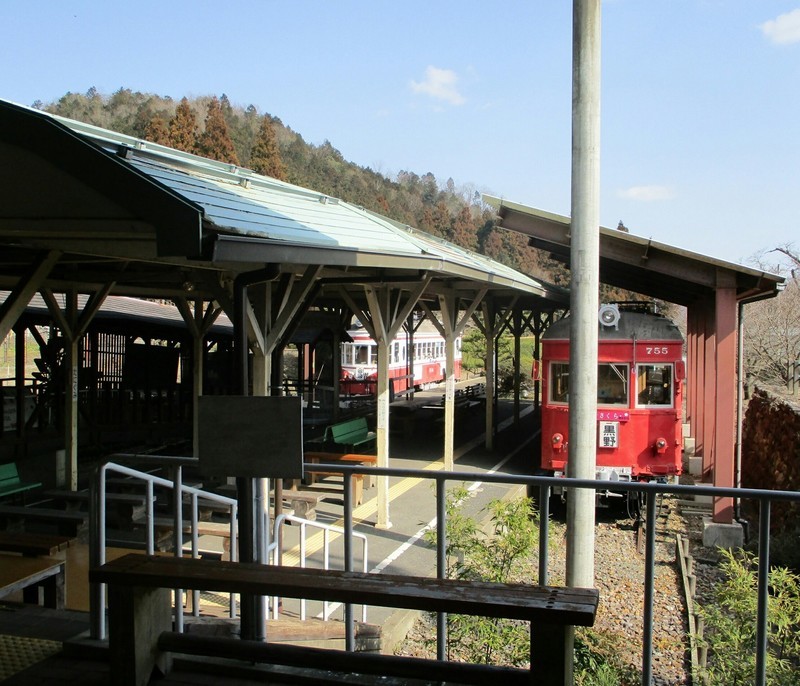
{"points": [[215, 141], [157, 131], [87, 108], [183, 128], [772, 327], [491, 242], [464, 233], [265, 157], [441, 222]]}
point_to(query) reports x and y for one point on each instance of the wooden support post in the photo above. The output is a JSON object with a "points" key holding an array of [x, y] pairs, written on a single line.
{"points": [[489, 332], [725, 391], [551, 654], [136, 618]]}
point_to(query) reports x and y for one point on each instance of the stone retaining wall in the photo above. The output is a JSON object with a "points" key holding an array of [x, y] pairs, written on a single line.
{"points": [[771, 450]]}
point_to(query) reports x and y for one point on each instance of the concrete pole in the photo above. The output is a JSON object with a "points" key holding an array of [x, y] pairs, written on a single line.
{"points": [[585, 273]]}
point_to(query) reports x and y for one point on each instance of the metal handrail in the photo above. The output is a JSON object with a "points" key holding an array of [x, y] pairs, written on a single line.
{"points": [[97, 539], [764, 498], [327, 529]]}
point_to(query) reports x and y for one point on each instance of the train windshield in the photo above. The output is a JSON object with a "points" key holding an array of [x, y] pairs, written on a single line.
{"points": [[654, 385], [612, 383]]}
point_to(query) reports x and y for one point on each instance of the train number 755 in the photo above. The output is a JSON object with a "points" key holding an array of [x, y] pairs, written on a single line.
{"points": [[656, 350]]}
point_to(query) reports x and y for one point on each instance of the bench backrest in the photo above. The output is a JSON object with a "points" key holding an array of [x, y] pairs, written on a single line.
{"points": [[349, 431], [9, 475]]}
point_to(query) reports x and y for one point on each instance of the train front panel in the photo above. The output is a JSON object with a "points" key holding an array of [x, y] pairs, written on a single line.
{"points": [[639, 405]]}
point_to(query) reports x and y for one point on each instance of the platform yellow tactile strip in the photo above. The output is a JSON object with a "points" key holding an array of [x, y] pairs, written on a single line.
{"points": [[18, 653]]}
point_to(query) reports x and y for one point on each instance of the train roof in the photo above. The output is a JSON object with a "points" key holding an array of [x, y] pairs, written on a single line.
{"points": [[645, 326]]}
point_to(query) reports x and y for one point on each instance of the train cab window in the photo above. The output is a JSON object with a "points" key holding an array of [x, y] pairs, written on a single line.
{"points": [[362, 354], [654, 384], [347, 353], [559, 382], [612, 384]]}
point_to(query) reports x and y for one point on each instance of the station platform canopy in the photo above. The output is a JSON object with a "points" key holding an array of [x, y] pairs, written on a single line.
{"points": [[638, 264], [153, 220]]}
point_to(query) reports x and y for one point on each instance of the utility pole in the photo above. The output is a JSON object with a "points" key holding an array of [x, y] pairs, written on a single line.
{"points": [[585, 281]]}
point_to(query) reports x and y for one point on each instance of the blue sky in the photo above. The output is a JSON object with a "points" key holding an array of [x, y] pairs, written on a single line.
{"points": [[700, 99]]}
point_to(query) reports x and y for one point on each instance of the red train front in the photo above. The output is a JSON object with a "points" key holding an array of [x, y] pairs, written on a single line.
{"points": [[639, 395]]}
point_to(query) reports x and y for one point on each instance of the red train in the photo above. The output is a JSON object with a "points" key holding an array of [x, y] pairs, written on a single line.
{"points": [[639, 396], [360, 361]]}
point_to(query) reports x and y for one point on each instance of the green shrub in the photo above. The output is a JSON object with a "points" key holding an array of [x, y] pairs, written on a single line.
{"points": [[730, 624], [504, 551]]}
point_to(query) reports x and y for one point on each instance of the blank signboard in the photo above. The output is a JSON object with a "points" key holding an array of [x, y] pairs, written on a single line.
{"points": [[251, 436]]}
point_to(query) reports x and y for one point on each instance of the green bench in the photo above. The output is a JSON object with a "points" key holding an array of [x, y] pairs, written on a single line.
{"points": [[10, 483], [350, 436]]}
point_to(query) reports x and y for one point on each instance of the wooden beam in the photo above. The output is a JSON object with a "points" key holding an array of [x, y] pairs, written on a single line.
{"points": [[21, 295]]}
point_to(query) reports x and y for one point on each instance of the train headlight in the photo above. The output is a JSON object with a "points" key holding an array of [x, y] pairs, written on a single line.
{"points": [[608, 315], [558, 442], [661, 445]]}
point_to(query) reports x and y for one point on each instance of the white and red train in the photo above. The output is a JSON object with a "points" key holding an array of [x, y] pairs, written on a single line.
{"points": [[360, 361], [640, 373]]}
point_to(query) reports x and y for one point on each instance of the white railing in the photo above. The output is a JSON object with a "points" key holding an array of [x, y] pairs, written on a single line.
{"points": [[327, 530], [97, 540]]}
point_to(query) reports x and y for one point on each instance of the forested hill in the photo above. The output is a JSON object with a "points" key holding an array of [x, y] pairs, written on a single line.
{"points": [[216, 128]]}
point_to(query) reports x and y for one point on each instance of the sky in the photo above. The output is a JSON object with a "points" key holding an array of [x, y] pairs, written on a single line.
{"points": [[700, 123]]}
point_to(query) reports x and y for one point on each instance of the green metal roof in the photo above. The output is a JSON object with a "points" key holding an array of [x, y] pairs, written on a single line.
{"points": [[256, 218]]}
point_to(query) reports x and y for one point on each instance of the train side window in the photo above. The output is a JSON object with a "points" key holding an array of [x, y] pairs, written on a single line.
{"points": [[654, 384], [612, 384], [559, 382], [362, 354]]}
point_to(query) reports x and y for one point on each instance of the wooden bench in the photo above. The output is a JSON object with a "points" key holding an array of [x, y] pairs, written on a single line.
{"points": [[33, 544], [140, 620], [66, 522], [312, 458], [29, 574], [10, 483], [462, 400], [121, 508], [351, 435], [164, 526]]}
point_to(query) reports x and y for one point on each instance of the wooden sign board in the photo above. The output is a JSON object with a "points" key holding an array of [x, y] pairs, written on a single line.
{"points": [[251, 436]]}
